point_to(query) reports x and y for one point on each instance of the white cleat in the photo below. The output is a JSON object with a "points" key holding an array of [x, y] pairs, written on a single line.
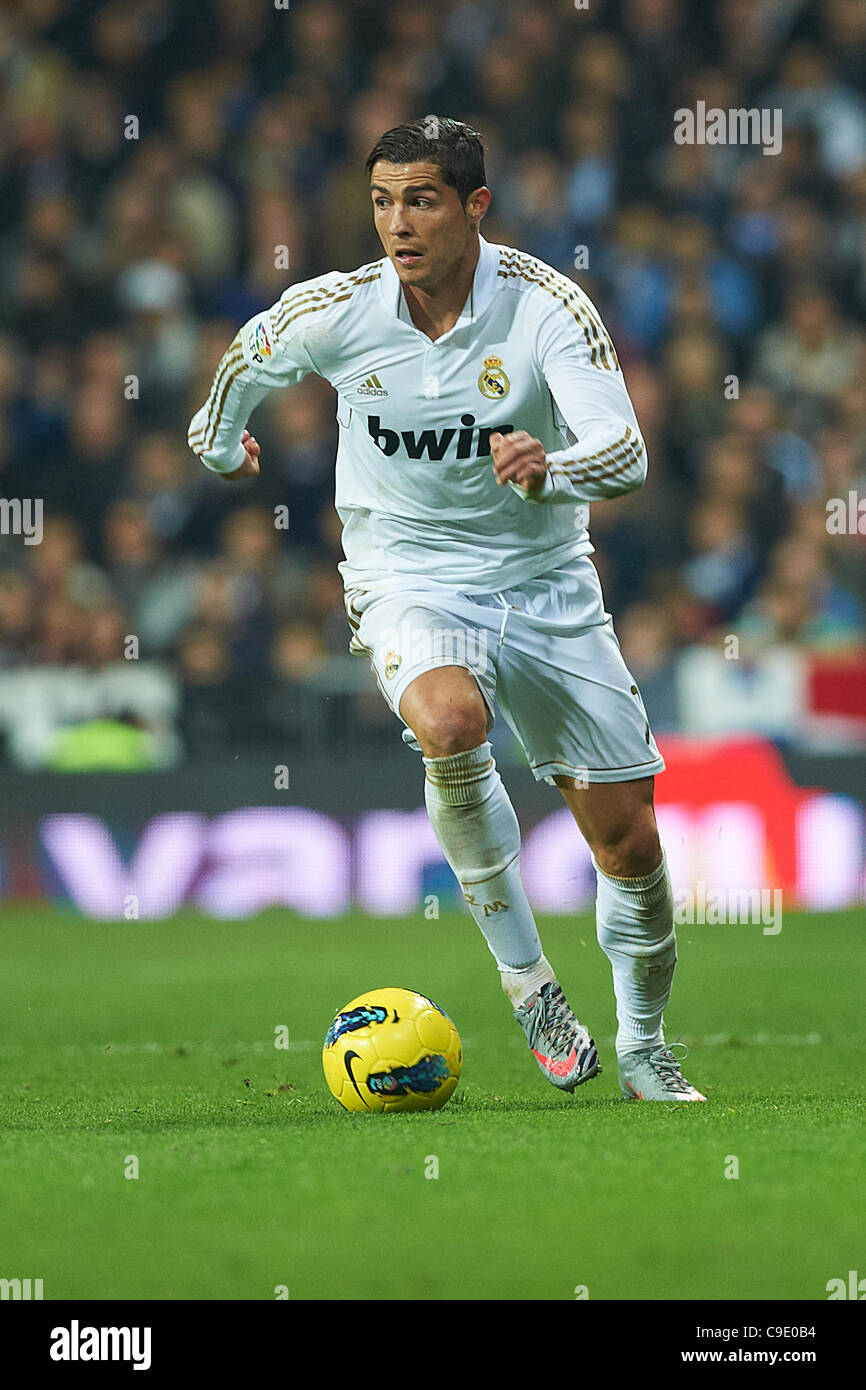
{"points": [[655, 1075]]}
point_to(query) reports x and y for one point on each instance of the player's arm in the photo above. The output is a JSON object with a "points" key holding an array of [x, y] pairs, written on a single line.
{"points": [[259, 359], [587, 385]]}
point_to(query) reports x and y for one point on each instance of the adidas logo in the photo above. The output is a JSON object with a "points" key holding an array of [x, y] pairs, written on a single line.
{"points": [[372, 387]]}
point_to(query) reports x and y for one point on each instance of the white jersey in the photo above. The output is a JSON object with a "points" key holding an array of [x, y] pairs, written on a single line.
{"points": [[415, 486]]}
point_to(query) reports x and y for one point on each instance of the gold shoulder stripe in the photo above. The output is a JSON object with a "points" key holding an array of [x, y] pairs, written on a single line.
{"points": [[361, 279], [596, 345], [310, 309], [288, 315], [592, 312], [233, 363], [291, 302], [368, 279], [297, 293], [511, 274], [361, 275], [571, 294], [570, 287], [324, 291]]}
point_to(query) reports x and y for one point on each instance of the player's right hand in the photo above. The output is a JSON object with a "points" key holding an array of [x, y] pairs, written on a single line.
{"points": [[250, 466]]}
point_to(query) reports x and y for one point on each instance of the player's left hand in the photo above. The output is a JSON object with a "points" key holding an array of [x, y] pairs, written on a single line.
{"points": [[250, 466], [518, 458]]}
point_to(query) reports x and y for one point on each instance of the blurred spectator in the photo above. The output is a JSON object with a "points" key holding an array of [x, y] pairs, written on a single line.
{"points": [[809, 94], [211, 717], [800, 602], [810, 357], [734, 284], [17, 618], [723, 563]]}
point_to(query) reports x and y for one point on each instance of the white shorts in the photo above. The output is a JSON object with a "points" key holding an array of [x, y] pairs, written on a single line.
{"points": [[545, 652]]}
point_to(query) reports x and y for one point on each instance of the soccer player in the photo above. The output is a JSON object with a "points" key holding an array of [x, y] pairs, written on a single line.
{"points": [[481, 409]]}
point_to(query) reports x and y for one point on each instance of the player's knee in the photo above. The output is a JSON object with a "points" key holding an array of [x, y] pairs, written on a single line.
{"points": [[635, 852], [452, 728]]}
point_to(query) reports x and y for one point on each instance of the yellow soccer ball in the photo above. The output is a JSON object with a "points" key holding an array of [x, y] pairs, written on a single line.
{"points": [[392, 1049]]}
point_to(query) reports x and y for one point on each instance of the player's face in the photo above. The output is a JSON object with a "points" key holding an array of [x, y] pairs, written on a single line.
{"points": [[422, 224]]}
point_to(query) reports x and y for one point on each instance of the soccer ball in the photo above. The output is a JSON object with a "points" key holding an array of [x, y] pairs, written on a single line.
{"points": [[392, 1049]]}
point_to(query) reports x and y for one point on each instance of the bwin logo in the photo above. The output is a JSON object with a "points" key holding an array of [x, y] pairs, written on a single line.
{"points": [[433, 444], [75, 1343]]}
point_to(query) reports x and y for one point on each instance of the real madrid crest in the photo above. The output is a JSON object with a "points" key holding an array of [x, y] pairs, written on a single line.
{"points": [[493, 383], [392, 663]]}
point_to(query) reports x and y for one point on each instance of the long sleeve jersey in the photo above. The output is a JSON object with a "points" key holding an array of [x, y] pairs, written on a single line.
{"points": [[415, 486]]}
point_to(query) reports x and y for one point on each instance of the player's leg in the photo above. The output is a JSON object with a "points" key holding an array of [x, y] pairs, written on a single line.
{"points": [[634, 902], [635, 924], [474, 820], [447, 718], [565, 689], [477, 828]]}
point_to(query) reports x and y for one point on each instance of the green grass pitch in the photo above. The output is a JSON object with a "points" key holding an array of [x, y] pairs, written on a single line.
{"points": [[156, 1041]]}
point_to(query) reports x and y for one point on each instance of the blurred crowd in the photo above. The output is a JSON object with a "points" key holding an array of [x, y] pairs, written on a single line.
{"points": [[154, 154]]}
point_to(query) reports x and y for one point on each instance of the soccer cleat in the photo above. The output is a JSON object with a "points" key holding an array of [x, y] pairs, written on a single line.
{"points": [[655, 1074], [563, 1049]]}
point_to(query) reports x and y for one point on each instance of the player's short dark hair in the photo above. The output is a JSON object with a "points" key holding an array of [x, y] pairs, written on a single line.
{"points": [[452, 146]]}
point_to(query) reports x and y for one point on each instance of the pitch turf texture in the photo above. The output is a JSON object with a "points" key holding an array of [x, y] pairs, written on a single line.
{"points": [[156, 1040]]}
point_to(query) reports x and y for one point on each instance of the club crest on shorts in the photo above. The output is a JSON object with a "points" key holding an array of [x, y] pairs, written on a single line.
{"points": [[392, 664], [493, 383]]}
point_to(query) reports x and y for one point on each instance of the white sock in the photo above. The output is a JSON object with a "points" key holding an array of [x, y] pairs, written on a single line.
{"points": [[634, 918], [476, 826], [519, 984]]}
